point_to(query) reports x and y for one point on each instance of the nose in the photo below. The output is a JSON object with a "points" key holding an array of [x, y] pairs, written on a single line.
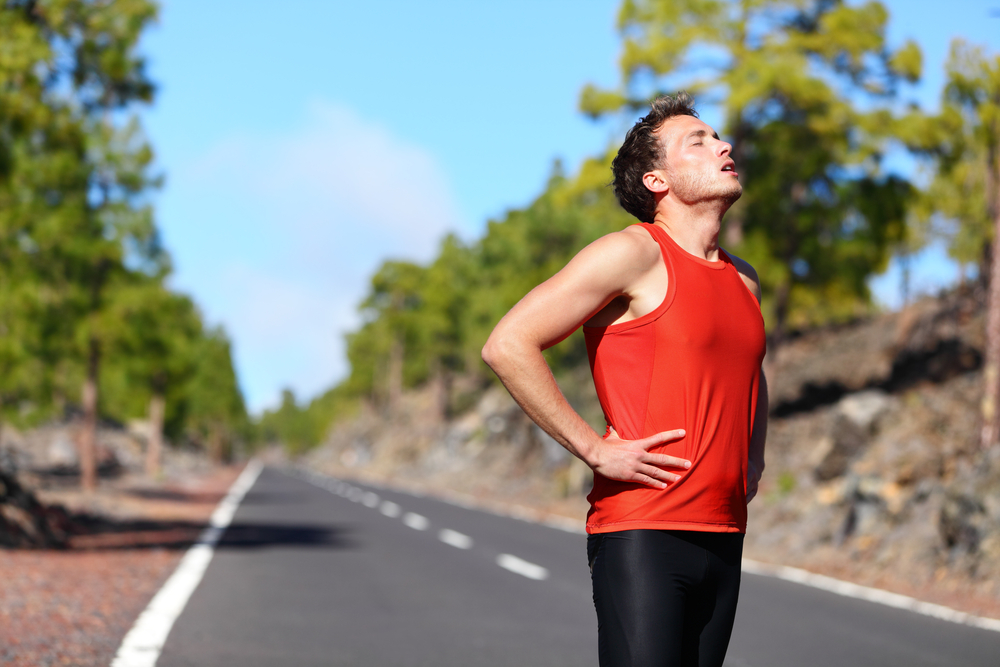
{"points": [[725, 148]]}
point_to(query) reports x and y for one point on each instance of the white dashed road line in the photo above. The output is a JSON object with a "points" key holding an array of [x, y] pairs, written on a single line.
{"points": [[455, 539], [390, 509], [420, 522], [539, 573], [416, 521], [522, 567]]}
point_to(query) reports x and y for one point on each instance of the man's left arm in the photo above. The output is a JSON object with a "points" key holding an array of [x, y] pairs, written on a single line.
{"points": [[755, 458]]}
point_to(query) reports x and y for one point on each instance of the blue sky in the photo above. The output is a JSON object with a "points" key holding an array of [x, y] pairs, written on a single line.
{"points": [[304, 142]]}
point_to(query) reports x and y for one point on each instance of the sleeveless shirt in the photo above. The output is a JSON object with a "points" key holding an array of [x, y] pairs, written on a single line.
{"points": [[693, 363]]}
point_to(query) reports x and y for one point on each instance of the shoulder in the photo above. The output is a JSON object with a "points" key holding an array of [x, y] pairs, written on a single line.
{"points": [[632, 246], [748, 274], [613, 263]]}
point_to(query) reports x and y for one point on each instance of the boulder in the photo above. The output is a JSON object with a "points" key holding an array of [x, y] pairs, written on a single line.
{"points": [[854, 423]]}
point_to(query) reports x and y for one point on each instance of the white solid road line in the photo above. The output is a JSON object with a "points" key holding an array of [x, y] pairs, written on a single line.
{"points": [[522, 567], [143, 643], [455, 538], [876, 595], [416, 521], [390, 509]]}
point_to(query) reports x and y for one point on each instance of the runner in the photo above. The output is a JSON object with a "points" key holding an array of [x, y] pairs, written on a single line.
{"points": [[676, 339]]}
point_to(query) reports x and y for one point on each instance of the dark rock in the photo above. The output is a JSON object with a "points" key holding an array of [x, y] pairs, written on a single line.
{"points": [[25, 522], [959, 523]]}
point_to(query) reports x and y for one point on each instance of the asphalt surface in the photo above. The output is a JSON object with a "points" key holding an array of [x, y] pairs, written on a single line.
{"points": [[320, 572]]}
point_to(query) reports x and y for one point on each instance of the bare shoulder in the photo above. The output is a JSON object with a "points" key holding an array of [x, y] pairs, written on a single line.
{"points": [[631, 246], [612, 264], [748, 274]]}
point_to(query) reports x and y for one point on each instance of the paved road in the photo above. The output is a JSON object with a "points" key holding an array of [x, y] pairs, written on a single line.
{"points": [[329, 573]]}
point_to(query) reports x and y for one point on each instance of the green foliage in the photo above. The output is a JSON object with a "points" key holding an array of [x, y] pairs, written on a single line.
{"points": [[458, 299], [786, 484], [288, 424], [81, 267], [806, 89], [817, 217], [441, 314], [963, 142], [299, 428], [148, 348], [215, 415]]}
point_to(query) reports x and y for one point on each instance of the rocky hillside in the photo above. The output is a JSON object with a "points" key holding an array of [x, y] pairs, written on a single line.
{"points": [[874, 469], [874, 473]]}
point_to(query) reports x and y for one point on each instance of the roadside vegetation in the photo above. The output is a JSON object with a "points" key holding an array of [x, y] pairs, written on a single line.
{"points": [[814, 100], [813, 97], [89, 327]]}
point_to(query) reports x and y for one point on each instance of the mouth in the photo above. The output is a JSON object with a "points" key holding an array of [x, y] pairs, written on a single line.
{"points": [[729, 166]]}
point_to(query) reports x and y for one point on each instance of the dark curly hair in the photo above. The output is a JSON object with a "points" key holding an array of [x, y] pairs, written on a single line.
{"points": [[642, 151]]}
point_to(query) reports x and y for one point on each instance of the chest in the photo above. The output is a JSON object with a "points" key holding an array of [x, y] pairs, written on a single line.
{"points": [[713, 318]]}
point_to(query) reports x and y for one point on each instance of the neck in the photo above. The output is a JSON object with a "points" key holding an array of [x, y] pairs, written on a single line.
{"points": [[695, 228]]}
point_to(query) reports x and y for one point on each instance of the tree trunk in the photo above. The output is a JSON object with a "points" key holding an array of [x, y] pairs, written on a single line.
{"points": [[215, 443], [782, 295], [59, 389], [985, 266], [154, 448], [440, 388], [88, 436], [395, 376], [992, 187], [732, 237], [905, 260], [991, 370]]}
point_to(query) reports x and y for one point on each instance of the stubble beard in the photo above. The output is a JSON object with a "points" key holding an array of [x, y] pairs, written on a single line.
{"points": [[694, 188]]}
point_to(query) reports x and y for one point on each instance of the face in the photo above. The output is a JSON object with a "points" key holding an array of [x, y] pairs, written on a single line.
{"points": [[697, 163]]}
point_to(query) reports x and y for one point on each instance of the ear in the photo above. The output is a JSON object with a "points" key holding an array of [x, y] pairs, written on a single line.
{"points": [[656, 181]]}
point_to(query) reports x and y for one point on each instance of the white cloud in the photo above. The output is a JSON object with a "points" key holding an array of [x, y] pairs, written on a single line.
{"points": [[276, 236], [287, 333]]}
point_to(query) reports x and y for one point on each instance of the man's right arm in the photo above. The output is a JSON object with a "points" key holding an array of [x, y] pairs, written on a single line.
{"points": [[604, 270]]}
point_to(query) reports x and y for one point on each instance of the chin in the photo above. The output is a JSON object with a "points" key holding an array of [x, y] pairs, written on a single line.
{"points": [[732, 194]]}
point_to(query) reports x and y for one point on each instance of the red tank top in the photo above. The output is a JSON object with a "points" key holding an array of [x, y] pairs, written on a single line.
{"points": [[693, 363]]}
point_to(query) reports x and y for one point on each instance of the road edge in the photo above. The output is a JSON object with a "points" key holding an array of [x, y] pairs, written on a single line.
{"points": [[142, 644], [783, 572], [876, 595]]}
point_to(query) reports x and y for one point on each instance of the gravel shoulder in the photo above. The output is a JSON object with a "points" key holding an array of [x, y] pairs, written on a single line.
{"points": [[74, 606]]}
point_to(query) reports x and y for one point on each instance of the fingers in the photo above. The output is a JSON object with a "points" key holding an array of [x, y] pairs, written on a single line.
{"points": [[663, 460], [649, 481], [631, 460], [658, 475], [656, 439], [660, 438]]}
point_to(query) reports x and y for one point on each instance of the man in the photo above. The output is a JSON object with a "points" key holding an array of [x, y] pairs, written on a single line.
{"points": [[676, 340]]}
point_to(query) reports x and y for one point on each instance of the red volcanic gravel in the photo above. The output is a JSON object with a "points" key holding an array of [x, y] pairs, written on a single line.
{"points": [[74, 606]]}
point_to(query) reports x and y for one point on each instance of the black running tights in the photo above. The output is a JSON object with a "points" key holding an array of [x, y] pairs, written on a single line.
{"points": [[664, 598]]}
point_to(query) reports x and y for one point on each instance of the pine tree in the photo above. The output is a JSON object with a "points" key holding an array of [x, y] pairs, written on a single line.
{"points": [[818, 216]]}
